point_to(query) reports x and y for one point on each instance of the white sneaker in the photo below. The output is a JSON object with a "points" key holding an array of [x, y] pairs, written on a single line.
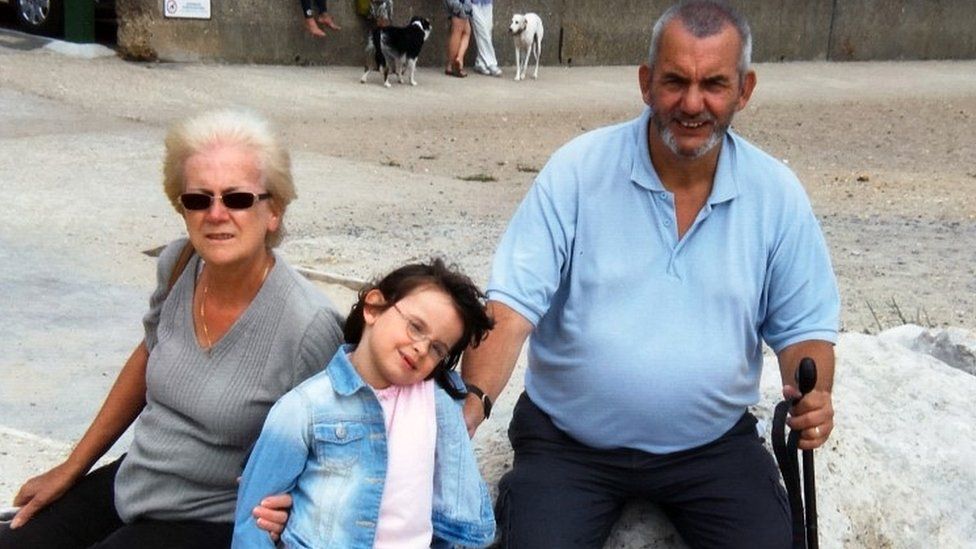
{"points": [[481, 70], [495, 71]]}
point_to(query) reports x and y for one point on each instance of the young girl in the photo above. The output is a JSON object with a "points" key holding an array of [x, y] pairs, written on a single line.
{"points": [[374, 450]]}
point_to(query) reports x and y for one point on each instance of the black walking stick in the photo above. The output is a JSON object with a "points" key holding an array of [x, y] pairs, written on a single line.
{"points": [[804, 527], [807, 380]]}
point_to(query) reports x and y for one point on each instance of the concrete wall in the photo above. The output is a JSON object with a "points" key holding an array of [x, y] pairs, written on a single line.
{"points": [[782, 29], [581, 32], [904, 29]]}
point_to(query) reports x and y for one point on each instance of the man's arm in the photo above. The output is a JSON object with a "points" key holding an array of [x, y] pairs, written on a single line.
{"points": [[490, 364], [815, 412]]}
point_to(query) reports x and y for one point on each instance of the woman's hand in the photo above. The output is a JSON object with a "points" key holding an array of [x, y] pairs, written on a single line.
{"points": [[38, 492], [124, 402], [272, 514]]}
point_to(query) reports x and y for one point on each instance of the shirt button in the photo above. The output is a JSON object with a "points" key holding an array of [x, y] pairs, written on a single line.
{"points": [[667, 222], [340, 432]]}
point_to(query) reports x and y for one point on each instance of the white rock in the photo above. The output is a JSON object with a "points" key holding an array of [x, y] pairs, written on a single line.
{"points": [[899, 470], [954, 346]]}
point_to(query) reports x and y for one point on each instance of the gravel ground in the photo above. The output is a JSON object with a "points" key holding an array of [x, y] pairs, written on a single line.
{"points": [[885, 151]]}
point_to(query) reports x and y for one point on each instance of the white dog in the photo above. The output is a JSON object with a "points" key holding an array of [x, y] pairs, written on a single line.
{"points": [[527, 34]]}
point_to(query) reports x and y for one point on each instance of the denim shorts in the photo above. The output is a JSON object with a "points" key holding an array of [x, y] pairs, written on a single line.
{"points": [[458, 8]]}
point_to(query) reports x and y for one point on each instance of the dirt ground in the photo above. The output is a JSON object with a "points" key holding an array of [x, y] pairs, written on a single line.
{"points": [[885, 150]]}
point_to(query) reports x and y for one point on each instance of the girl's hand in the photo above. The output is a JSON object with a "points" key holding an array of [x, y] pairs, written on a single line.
{"points": [[38, 492], [272, 515]]}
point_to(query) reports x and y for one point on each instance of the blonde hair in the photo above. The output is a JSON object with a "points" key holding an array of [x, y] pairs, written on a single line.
{"points": [[231, 127]]}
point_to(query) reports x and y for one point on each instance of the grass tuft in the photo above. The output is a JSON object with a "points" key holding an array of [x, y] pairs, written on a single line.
{"points": [[482, 177]]}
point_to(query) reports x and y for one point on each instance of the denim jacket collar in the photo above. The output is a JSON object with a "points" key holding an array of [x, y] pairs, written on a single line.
{"points": [[345, 379]]}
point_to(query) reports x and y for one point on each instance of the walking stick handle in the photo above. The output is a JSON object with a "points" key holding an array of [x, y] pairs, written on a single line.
{"points": [[806, 375]]}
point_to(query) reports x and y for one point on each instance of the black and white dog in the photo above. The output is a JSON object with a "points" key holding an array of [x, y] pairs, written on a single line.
{"points": [[395, 49]]}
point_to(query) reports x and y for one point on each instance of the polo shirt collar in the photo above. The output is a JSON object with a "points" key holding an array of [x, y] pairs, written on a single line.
{"points": [[724, 188]]}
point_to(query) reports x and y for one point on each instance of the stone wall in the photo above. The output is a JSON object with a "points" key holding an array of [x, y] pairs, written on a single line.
{"points": [[581, 32]]}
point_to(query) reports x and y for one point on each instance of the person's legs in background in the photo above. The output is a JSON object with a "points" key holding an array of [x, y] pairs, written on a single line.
{"points": [[463, 46], [457, 45], [460, 35], [482, 21], [312, 21], [310, 25], [324, 17]]}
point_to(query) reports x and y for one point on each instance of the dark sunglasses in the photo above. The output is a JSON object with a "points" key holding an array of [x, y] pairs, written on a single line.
{"points": [[237, 200]]}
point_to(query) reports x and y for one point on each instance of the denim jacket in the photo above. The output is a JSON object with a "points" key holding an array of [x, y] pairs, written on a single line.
{"points": [[325, 443]]}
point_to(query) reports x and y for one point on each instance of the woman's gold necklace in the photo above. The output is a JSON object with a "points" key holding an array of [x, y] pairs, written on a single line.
{"points": [[203, 303]]}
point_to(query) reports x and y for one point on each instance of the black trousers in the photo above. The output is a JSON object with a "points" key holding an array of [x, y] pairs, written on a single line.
{"points": [[307, 7], [86, 517], [563, 494]]}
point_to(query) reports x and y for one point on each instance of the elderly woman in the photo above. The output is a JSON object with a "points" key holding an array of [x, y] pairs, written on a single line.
{"points": [[231, 327]]}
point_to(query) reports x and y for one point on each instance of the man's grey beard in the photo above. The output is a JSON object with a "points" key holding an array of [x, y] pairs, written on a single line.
{"points": [[669, 140]]}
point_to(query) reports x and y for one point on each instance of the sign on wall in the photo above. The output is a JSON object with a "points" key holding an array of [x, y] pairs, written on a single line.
{"points": [[187, 9]]}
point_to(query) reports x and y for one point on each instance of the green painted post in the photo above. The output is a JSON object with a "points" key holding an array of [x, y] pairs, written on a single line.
{"points": [[79, 21]]}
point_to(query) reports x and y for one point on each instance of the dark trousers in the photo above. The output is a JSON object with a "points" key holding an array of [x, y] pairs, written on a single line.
{"points": [[563, 494], [307, 7], [86, 517]]}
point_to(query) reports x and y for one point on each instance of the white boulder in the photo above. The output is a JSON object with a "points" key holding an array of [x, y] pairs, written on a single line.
{"points": [[899, 470]]}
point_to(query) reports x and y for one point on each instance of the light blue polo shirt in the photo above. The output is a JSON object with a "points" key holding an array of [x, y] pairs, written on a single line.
{"points": [[641, 340]]}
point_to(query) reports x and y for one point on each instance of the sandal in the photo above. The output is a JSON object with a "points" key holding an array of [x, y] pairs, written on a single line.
{"points": [[456, 70]]}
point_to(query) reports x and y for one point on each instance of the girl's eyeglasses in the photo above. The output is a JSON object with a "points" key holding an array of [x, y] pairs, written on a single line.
{"points": [[417, 333], [237, 200]]}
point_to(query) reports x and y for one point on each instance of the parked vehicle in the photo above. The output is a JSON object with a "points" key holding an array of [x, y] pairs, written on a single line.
{"points": [[46, 17]]}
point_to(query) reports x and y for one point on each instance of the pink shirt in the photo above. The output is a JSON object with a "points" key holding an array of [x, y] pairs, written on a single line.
{"points": [[411, 433]]}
